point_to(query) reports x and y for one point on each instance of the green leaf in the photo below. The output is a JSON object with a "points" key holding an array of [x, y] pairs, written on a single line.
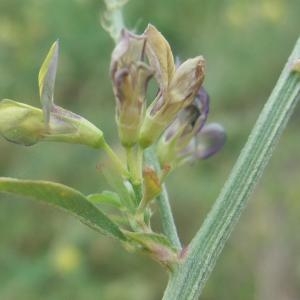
{"points": [[47, 77], [106, 197], [111, 172], [64, 197]]}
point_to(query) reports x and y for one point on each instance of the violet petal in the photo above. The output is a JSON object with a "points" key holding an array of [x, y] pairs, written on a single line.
{"points": [[210, 140]]}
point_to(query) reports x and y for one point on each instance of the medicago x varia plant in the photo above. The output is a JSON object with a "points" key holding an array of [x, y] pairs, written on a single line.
{"points": [[174, 125], [158, 135]]}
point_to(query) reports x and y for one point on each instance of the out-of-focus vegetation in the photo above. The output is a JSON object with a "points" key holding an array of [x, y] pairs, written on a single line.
{"points": [[44, 254]]}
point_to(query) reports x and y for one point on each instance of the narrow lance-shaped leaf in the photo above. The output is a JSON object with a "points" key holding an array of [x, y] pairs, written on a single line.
{"points": [[64, 197], [106, 197]]}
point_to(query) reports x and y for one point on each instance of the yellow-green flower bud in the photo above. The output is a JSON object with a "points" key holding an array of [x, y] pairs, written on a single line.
{"points": [[24, 124], [20, 123]]}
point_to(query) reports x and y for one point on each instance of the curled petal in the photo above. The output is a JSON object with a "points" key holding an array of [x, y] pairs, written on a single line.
{"points": [[129, 49], [190, 120], [160, 56], [209, 141], [130, 83], [188, 123], [202, 103], [196, 113], [187, 80]]}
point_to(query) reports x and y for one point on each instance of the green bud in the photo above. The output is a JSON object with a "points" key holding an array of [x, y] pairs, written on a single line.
{"points": [[27, 125], [20, 123], [24, 124]]}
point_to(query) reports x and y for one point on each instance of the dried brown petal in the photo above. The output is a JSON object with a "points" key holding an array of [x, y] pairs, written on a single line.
{"points": [[187, 80], [160, 56]]}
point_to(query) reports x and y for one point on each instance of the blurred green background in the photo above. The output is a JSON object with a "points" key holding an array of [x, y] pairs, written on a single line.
{"points": [[44, 253]]}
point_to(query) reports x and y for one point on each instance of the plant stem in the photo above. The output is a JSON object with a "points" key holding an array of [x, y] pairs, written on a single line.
{"points": [[168, 224], [135, 164], [191, 275], [113, 21], [115, 160]]}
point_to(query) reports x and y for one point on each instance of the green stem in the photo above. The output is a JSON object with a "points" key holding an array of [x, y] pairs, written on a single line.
{"points": [[115, 160], [113, 21], [135, 164], [191, 275], [168, 224]]}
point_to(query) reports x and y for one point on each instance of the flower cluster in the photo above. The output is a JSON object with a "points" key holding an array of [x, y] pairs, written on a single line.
{"points": [[175, 119], [173, 123]]}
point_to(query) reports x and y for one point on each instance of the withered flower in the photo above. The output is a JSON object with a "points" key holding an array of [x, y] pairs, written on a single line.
{"points": [[130, 75], [188, 138], [177, 86]]}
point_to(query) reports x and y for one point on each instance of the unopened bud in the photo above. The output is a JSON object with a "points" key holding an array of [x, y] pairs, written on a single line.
{"points": [[24, 124], [20, 123]]}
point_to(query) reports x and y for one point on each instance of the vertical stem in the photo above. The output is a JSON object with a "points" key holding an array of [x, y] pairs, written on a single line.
{"points": [[167, 219], [135, 164], [168, 224], [113, 20], [115, 160], [190, 277]]}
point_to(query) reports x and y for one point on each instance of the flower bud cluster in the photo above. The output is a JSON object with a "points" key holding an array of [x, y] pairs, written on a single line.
{"points": [[175, 119]]}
